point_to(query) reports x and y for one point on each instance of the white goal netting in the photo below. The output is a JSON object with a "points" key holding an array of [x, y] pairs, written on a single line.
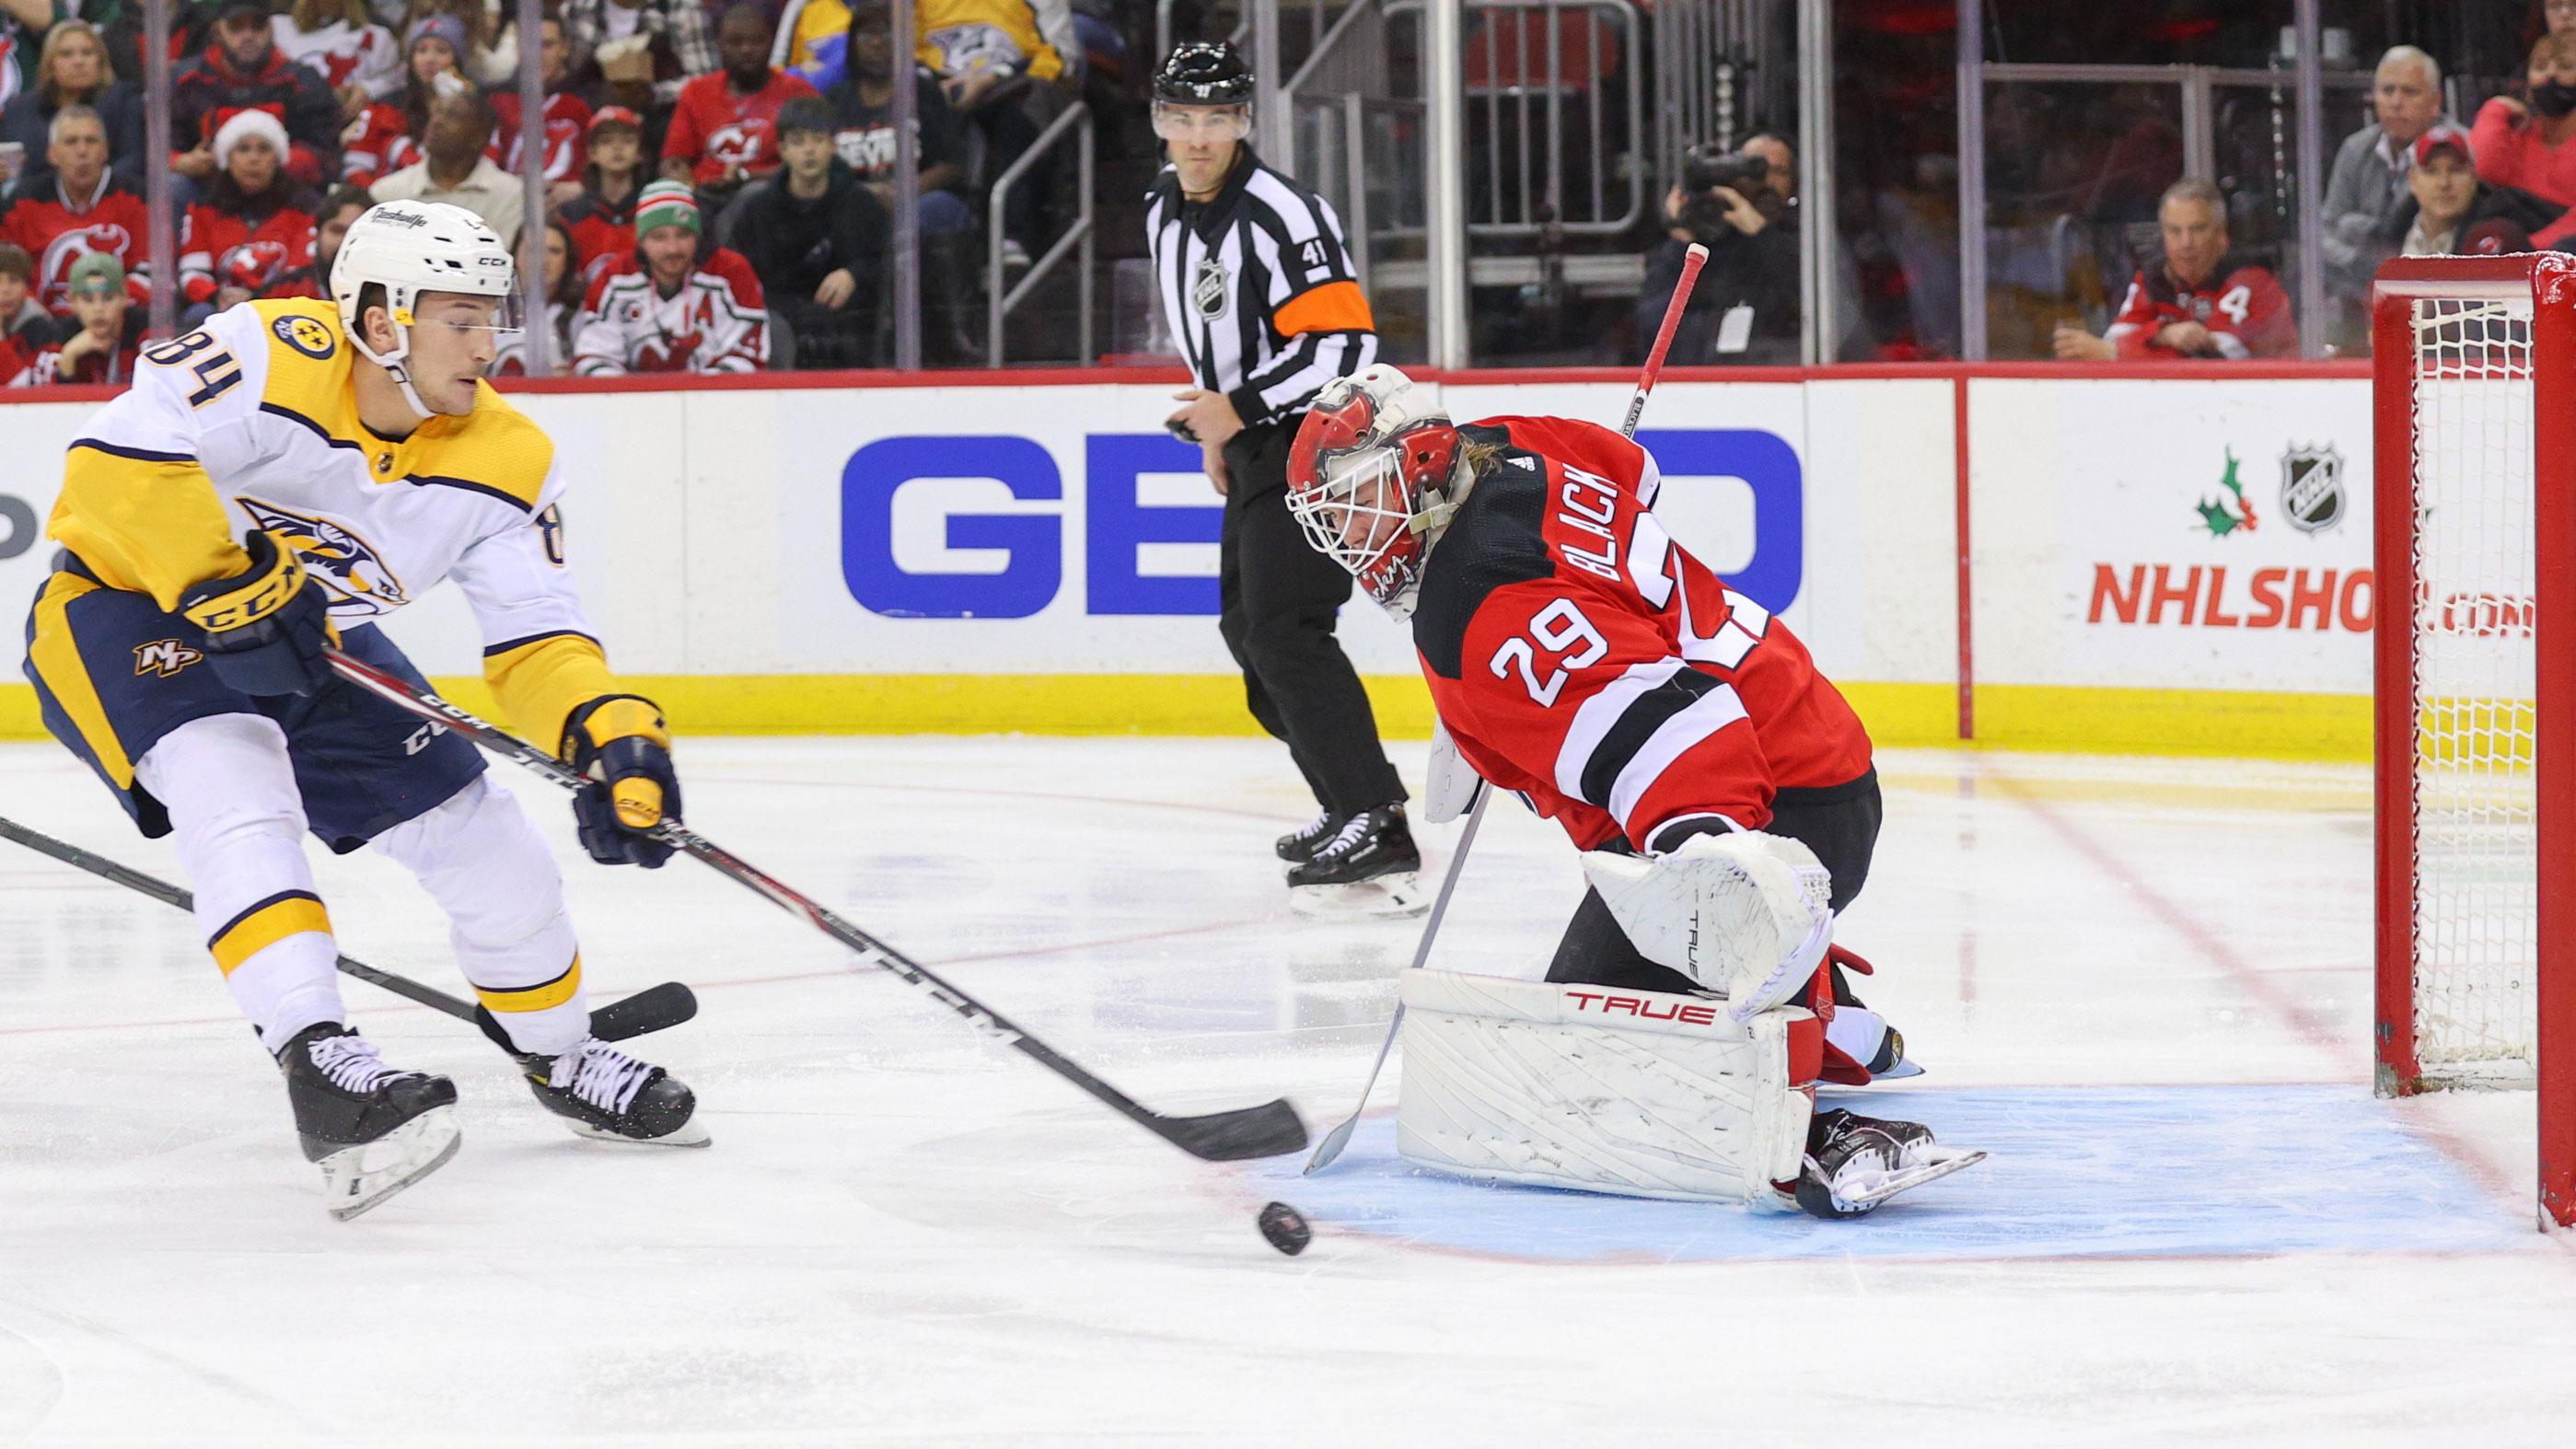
{"points": [[2473, 828]]}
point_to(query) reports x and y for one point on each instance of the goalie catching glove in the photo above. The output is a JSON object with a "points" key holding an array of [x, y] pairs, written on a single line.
{"points": [[1744, 914], [619, 742], [265, 626]]}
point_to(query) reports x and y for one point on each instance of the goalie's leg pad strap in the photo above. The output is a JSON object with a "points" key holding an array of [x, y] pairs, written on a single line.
{"points": [[1641, 1093]]}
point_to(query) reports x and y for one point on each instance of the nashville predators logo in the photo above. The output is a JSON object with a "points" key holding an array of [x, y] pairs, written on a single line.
{"points": [[346, 565], [305, 334], [163, 657]]}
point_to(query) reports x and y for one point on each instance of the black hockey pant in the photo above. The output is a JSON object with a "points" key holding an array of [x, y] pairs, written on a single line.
{"points": [[1840, 824], [1278, 599]]}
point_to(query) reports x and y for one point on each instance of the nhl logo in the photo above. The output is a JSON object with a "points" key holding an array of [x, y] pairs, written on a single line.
{"points": [[1208, 289], [2312, 488]]}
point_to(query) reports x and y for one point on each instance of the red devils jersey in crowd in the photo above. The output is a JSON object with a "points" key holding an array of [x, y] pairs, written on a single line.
{"points": [[567, 117], [602, 231], [378, 143], [255, 253], [1580, 658], [716, 321], [57, 235], [714, 128], [2241, 303]]}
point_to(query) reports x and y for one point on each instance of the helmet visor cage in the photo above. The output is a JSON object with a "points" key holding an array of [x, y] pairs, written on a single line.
{"points": [[508, 318], [1201, 123], [1359, 514]]}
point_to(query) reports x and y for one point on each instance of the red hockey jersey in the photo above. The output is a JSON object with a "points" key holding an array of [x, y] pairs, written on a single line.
{"points": [[1583, 660], [714, 128], [2241, 303], [223, 249], [567, 119], [56, 234]]}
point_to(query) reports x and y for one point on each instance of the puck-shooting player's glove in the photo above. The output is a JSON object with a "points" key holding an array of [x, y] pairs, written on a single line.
{"points": [[621, 744], [266, 626]]}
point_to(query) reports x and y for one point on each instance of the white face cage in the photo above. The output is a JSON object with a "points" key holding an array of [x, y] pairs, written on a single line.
{"points": [[1360, 517]]}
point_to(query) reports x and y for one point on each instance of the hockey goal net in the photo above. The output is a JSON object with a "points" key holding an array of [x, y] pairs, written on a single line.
{"points": [[2475, 401]]}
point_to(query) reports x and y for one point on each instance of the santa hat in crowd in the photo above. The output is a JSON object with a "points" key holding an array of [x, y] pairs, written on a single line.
{"points": [[234, 127], [667, 203]]}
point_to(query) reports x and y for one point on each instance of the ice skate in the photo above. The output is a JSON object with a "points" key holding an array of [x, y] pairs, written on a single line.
{"points": [[1854, 1163], [1368, 868], [603, 1093], [1300, 846], [372, 1130]]}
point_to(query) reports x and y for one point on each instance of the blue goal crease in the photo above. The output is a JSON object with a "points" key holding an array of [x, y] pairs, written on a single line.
{"points": [[2176, 1171]]}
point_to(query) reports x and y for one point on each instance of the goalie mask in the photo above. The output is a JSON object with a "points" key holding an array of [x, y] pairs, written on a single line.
{"points": [[1369, 480]]}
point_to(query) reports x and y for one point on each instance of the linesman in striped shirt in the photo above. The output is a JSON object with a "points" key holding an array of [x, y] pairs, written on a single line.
{"points": [[1260, 294]]}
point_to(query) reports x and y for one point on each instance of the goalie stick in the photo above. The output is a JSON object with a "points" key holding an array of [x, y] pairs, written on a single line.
{"points": [[1340, 1137], [1264, 1131], [655, 1008]]}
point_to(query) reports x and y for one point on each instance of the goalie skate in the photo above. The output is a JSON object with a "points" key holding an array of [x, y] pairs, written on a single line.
{"points": [[1855, 1163]]}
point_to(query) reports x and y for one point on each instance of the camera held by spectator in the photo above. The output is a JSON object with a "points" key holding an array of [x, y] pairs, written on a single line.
{"points": [[1725, 194]]}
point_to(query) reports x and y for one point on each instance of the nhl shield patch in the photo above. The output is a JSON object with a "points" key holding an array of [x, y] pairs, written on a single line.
{"points": [[1211, 289], [2312, 492]]}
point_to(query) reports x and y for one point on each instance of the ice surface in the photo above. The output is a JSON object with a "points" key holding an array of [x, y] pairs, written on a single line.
{"points": [[2143, 985]]}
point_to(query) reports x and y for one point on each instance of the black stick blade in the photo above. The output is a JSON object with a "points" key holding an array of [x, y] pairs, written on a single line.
{"points": [[655, 1008], [1269, 1130]]}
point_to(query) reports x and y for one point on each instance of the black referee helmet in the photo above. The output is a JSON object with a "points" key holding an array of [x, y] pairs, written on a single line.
{"points": [[1203, 73]]}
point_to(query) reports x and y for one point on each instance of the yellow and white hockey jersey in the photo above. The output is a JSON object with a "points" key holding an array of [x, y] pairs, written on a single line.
{"points": [[251, 422]]}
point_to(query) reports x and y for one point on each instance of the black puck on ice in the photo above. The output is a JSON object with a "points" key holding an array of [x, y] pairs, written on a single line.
{"points": [[1286, 1228]]}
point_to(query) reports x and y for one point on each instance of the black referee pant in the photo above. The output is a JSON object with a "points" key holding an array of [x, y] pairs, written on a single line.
{"points": [[1839, 823], [1278, 600]]}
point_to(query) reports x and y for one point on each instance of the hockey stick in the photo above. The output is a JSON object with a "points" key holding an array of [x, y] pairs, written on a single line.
{"points": [[652, 1009], [1264, 1131], [1340, 1137]]}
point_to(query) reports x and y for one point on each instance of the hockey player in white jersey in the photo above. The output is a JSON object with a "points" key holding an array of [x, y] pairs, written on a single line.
{"points": [[283, 478]]}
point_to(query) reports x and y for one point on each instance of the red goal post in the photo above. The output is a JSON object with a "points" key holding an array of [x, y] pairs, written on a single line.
{"points": [[2474, 399]]}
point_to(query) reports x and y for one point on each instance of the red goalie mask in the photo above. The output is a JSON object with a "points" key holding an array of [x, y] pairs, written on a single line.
{"points": [[1368, 476]]}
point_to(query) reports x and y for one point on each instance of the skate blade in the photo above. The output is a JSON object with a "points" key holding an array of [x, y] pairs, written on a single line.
{"points": [[1887, 1185], [356, 1179], [1399, 894], [691, 1133]]}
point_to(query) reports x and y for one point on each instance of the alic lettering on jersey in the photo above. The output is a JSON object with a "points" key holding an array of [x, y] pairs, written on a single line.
{"points": [[1575, 511]]}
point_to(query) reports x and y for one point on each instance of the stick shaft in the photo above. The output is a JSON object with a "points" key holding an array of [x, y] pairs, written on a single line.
{"points": [[400, 693], [168, 894], [1692, 261]]}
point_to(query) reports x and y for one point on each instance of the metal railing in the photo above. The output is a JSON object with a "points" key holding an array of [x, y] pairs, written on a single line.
{"points": [[1525, 120], [1076, 121]]}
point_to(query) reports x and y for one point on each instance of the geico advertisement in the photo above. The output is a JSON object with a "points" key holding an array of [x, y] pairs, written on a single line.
{"points": [[1060, 529]]}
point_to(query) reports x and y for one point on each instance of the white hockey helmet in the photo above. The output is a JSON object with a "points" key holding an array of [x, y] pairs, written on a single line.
{"points": [[414, 247]]}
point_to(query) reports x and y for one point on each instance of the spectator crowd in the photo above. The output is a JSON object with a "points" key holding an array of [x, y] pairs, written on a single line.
{"points": [[719, 173]]}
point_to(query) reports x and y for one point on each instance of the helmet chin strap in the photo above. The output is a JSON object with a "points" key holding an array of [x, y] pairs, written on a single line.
{"points": [[1432, 519], [392, 363]]}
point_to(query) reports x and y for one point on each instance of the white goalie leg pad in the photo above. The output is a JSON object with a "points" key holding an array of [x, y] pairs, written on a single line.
{"points": [[1743, 914], [1639, 1093], [1448, 781]]}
